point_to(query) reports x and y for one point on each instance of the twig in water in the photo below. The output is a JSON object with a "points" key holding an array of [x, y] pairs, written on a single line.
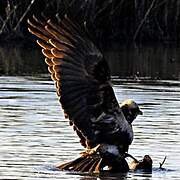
{"points": [[161, 164]]}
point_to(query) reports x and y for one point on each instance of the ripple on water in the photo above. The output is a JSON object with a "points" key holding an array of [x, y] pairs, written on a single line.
{"points": [[35, 136]]}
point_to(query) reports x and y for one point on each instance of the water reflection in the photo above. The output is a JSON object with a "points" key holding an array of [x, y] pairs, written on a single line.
{"points": [[156, 61], [21, 59], [35, 136]]}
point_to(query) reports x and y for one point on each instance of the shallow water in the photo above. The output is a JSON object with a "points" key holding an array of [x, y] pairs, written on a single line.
{"points": [[35, 137]]}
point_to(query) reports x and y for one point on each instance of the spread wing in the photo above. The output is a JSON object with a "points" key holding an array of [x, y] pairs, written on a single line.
{"points": [[82, 80]]}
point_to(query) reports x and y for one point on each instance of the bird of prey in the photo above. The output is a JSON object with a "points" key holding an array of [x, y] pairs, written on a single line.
{"points": [[83, 85]]}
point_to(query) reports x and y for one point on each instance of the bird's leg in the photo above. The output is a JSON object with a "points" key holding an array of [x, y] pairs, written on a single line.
{"points": [[129, 155], [90, 151]]}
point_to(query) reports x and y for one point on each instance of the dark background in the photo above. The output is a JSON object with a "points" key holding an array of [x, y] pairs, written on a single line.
{"points": [[139, 38], [132, 20]]}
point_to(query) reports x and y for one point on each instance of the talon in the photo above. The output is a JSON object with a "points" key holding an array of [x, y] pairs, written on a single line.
{"points": [[92, 151], [129, 155]]}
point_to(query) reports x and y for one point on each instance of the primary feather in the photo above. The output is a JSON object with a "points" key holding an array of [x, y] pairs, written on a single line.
{"points": [[82, 80]]}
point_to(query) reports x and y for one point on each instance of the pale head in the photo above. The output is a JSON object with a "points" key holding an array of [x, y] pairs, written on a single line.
{"points": [[130, 110]]}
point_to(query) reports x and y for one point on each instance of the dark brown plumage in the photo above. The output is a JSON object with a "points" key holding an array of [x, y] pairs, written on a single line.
{"points": [[82, 80]]}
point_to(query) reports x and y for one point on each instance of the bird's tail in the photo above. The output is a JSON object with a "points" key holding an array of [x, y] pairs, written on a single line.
{"points": [[94, 160], [91, 163]]}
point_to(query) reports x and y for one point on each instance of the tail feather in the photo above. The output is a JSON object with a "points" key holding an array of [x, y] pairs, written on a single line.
{"points": [[68, 165], [94, 160], [96, 166], [87, 167], [87, 162], [90, 163]]}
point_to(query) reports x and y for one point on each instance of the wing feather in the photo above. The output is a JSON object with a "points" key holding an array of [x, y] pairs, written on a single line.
{"points": [[44, 45], [82, 80]]}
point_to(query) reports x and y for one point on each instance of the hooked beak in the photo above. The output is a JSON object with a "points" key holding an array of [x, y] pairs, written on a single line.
{"points": [[140, 112]]}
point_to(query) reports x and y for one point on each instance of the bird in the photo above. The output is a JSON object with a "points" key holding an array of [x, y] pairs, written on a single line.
{"points": [[84, 88]]}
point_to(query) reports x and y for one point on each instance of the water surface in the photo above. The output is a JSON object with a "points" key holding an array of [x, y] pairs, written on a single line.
{"points": [[35, 136]]}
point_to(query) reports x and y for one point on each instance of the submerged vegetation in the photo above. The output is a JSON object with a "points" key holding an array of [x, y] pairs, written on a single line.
{"points": [[133, 20]]}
